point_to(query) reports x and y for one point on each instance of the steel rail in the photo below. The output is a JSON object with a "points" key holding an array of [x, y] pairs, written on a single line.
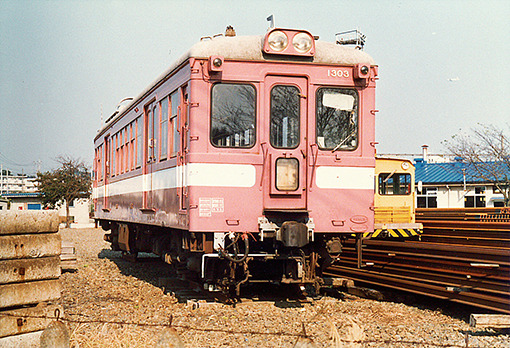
{"points": [[482, 300], [443, 252], [440, 251], [453, 258], [503, 235], [478, 242], [465, 269], [465, 225], [458, 257], [438, 276]]}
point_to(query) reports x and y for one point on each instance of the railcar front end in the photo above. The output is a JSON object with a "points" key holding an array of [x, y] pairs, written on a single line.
{"points": [[249, 159]]}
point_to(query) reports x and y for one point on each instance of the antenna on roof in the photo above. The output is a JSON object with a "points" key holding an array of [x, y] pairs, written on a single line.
{"points": [[270, 19]]}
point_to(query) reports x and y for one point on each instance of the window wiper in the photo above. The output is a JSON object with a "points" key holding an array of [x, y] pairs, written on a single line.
{"points": [[344, 141]]}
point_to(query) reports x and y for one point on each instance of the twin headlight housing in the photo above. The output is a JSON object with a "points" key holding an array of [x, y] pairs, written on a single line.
{"points": [[289, 42]]}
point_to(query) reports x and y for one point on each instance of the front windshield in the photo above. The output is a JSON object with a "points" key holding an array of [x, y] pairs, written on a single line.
{"points": [[337, 119]]}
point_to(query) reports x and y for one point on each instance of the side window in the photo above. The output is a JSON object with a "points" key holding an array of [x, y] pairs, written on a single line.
{"points": [[475, 199], [427, 198], [126, 149], [132, 158], [152, 114], [150, 132], [164, 128], [233, 115], [394, 184], [337, 119], [114, 155], [155, 134], [174, 121], [285, 105], [139, 141]]}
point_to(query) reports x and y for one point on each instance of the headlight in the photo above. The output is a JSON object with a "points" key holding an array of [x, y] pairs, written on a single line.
{"points": [[302, 42], [287, 174], [278, 41]]}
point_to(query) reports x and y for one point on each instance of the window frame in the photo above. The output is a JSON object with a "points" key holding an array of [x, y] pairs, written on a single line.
{"points": [[139, 141], [298, 164], [430, 193], [392, 175], [478, 196], [164, 127], [255, 118], [174, 121], [271, 117], [358, 113]]}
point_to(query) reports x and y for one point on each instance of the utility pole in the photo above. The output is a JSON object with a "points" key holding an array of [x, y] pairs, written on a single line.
{"points": [[38, 165]]}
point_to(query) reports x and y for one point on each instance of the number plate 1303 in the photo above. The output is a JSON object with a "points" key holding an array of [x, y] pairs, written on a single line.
{"points": [[338, 73]]}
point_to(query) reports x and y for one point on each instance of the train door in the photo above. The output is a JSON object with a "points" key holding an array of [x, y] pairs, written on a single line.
{"points": [[285, 146], [151, 129], [107, 149], [184, 144]]}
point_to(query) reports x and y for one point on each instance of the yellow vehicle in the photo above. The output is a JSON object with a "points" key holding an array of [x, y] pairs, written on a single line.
{"points": [[394, 199]]}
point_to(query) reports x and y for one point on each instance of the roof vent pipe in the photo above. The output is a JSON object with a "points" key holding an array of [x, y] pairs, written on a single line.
{"points": [[230, 32], [425, 151]]}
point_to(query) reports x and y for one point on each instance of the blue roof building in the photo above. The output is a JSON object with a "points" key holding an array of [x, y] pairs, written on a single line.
{"points": [[24, 200], [456, 184]]}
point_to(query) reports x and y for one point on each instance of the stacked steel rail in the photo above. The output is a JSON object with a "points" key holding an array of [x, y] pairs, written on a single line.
{"points": [[462, 256]]}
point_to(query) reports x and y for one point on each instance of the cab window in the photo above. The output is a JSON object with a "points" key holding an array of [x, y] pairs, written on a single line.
{"points": [[285, 112], [337, 119], [394, 184], [233, 115]]}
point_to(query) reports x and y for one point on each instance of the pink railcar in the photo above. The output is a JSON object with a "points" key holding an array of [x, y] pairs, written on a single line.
{"points": [[248, 159]]}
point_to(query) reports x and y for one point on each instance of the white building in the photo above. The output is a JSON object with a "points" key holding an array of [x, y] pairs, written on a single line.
{"points": [[17, 183], [443, 183], [22, 193]]}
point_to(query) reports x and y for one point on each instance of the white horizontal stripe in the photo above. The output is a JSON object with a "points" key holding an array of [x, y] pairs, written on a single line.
{"points": [[198, 174], [223, 175], [345, 178]]}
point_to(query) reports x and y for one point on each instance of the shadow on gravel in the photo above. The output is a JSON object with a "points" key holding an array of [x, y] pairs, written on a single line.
{"points": [[151, 269], [147, 267], [450, 308]]}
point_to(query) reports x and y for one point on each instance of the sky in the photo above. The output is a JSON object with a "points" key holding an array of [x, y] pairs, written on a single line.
{"points": [[65, 65]]}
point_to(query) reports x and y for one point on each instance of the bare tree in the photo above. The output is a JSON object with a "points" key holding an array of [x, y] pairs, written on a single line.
{"points": [[486, 150], [65, 184]]}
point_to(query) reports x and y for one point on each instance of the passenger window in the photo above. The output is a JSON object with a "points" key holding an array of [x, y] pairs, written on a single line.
{"points": [[233, 115], [139, 143], [394, 184], [174, 121], [337, 119], [164, 128], [285, 106]]}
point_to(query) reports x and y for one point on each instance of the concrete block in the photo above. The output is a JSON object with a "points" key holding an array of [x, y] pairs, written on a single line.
{"points": [[28, 340], [29, 246], [22, 270], [19, 294], [24, 320], [28, 221]]}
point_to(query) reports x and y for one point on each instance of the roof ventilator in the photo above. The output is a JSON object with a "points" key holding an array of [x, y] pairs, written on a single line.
{"points": [[351, 37]]}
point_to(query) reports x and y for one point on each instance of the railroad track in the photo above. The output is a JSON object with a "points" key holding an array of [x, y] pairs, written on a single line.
{"points": [[466, 261]]}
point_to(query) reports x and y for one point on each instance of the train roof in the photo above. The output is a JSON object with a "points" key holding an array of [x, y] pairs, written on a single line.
{"points": [[250, 48]]}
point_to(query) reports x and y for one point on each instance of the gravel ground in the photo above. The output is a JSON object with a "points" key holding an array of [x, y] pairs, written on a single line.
{"points": [[110, 302]]}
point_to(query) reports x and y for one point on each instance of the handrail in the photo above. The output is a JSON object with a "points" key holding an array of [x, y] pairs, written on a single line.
{"points": [[264, 158]]}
